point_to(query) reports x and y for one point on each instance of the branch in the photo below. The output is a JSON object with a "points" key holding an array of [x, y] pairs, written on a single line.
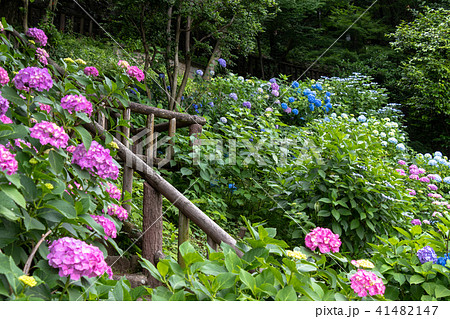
{"points": [[26, 269], [220, 30]]}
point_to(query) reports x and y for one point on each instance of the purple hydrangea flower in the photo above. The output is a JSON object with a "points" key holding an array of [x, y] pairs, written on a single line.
{"points": [[91, 70], [42, 56], [5, 120], [75, 258], [118, 211], [33, 78], [416, 222], [45, 107], [135, 72], [50, 133], [275, 86], [38, 35], [76, 103], [424, 179], [233, 96], [4, 105], [199, 72], [97, 161], [432, 187], [426, 254], [8, 163], [401, 162], [247, 104], [108, 226], [4, 78], [275, 93], [222, 63]]}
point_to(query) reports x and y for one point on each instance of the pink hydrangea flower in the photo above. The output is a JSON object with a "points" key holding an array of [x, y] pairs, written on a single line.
{"points": [[401, 162], [5, 120], [275, 86], [4, 105], [414, 176], [91, 70], [71, 148], [8, 163], [135, 72], [412, 192], [416, 222], [432, 187], [42, 56], [323, 238], [33, 78], [45, 107], [108, 226], [38, 35], [424, 179], [438, 214], [414, 171], [413, 166], [4, 78], [364, 281], [426, 221], [123, 64], [113, 191], [75, 258], [421, 170], [401, 172], [288, 110], [97, 161], [275, 93], [1, 27], [76, 103], [50, 133], [434, 195], [118, 211], [18, 143]]}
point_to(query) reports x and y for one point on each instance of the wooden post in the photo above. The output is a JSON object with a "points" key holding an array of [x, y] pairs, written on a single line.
{"points": [[102, 120], [150, 142], [152, 229], [81, 25], [172, 130], [211, 244], [183, 234], [90, 28], [62, 22], [127, 170]]}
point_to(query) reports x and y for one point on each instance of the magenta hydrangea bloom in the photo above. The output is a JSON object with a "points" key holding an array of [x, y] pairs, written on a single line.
{"points": [[18, 142], [323, 238], [288, 110], [4, 78], [413, 166], [76, 103], [421, 170], [45, 107], [108, 226], [33, 78], [97, 161], [118, 211], [123, 64], [113, 191], [400, 171], [38, 35], [416, 222], [71, 148], [412, 192], [42, 56], [275, 86], [432, 187], [5, 120], [364, 281], [414, 176], [275, 93], [135, 72], [414, 171], [50, 133], [4, 105], [424, 179], [8, 162], [91, 70], [434, 195], [401, 162], [75, 258]]}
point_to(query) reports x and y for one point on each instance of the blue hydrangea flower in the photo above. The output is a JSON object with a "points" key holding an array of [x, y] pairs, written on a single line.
{"points": [[392, 140], [295, 111], [327, 119], [437, 178], [318, 102], [443, 260], [311, 98], [384, 143], [426, 254], [295, 84], [401, 147], [327, 100], [247, 104], [211, 104], [273, 80], [311, 106], [199, 72], [161, 75], [432, 162], [306, 92], [428, 155], [327, 93], [222, 63], [284, 106], [446, 180], [223, 120], [319, 86], [291, 99], [437, 153], [362, 118], [232, 187], [329, 106], [233, 96]]}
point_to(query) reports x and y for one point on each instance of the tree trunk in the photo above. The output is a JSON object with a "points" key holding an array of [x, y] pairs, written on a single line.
{"points": [[176, 65], [261, 62], [188, 60], [146, 52], [212, 60], [25, 16]]}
